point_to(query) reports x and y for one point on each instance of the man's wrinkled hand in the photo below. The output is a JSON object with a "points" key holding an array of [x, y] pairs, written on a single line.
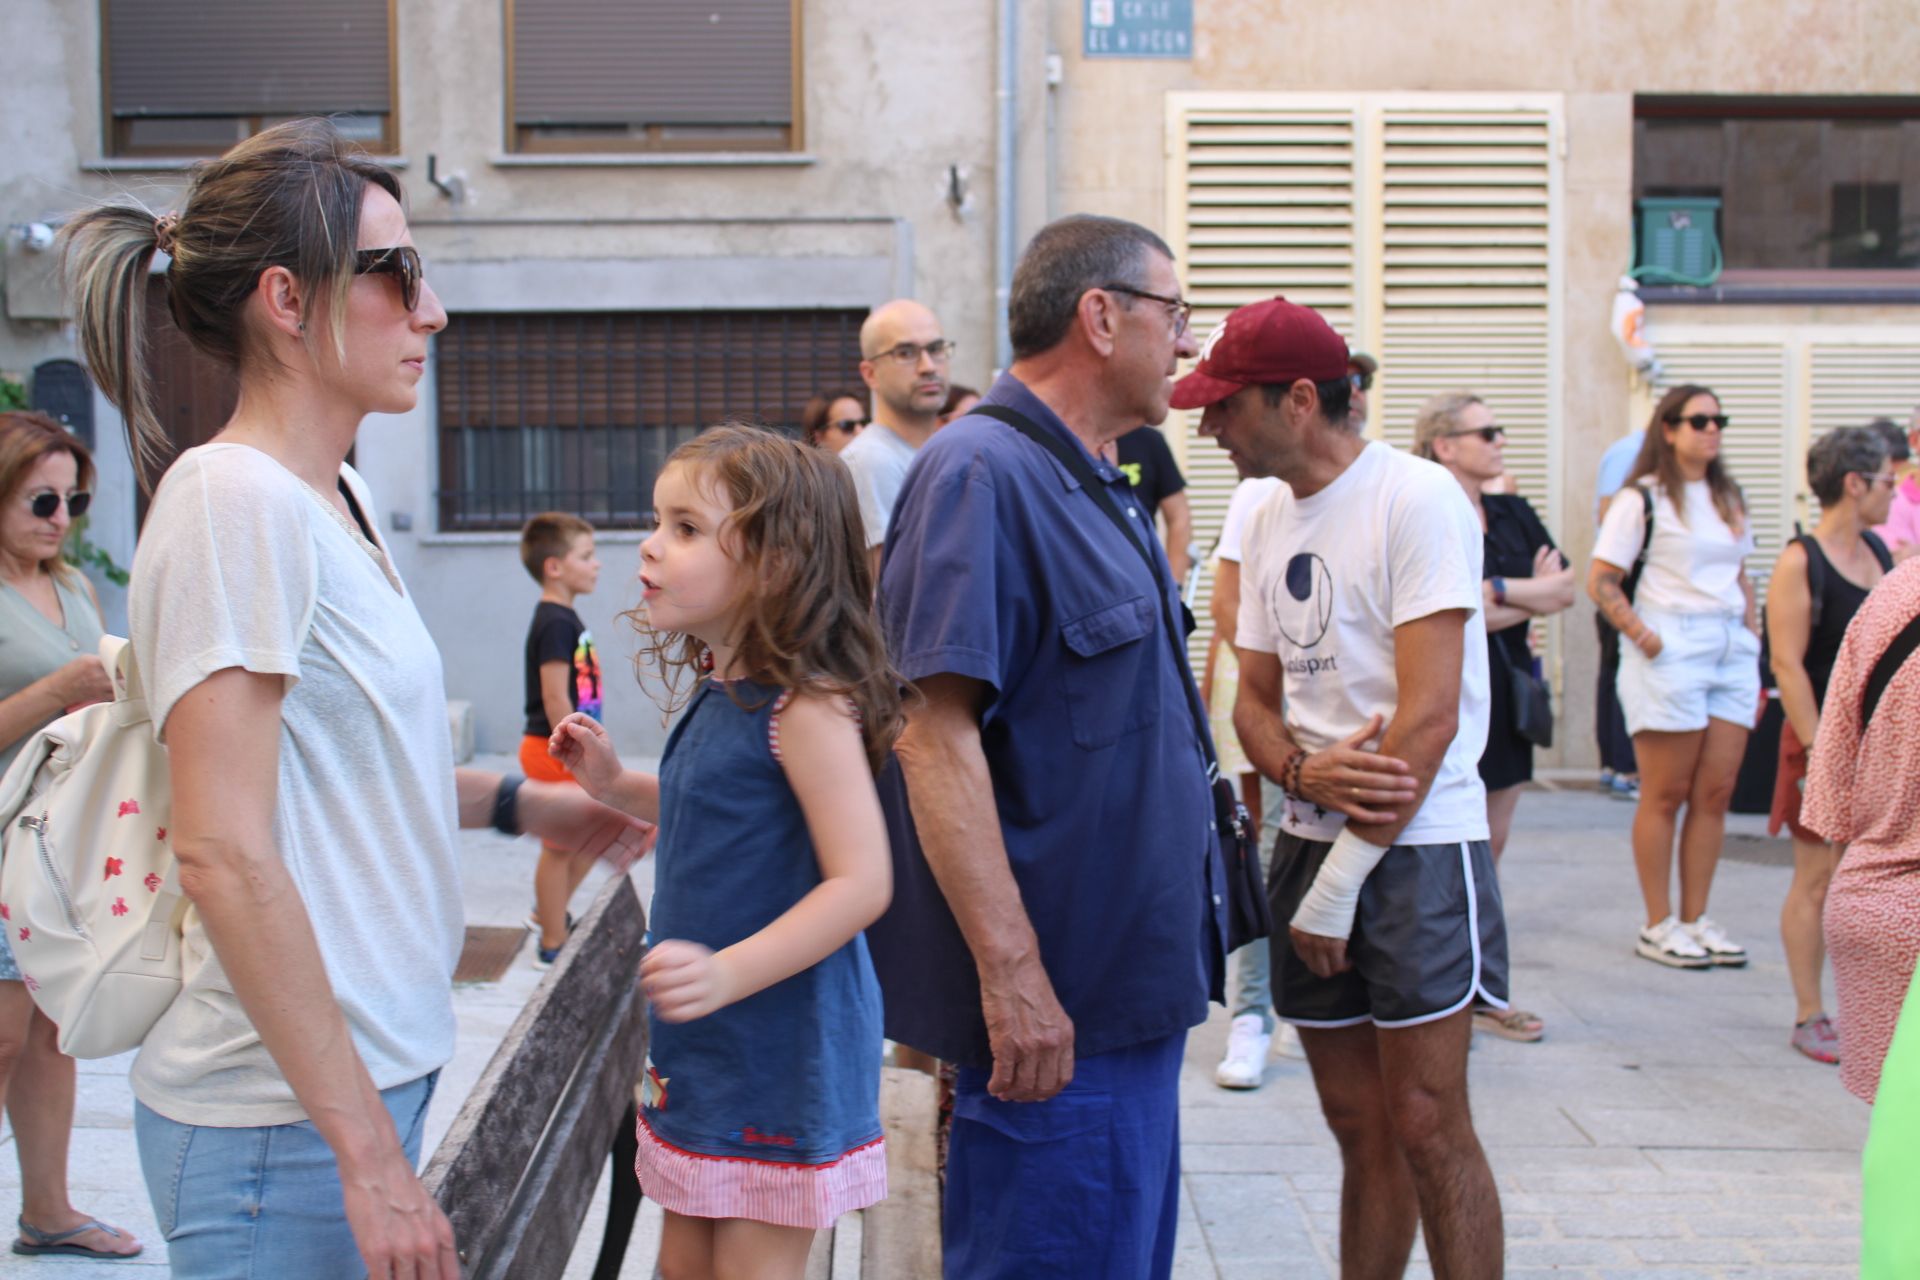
{"points": [[1030, 1034]]}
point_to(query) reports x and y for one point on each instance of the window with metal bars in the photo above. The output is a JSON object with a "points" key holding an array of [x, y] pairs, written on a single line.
{"points": [[578, 411]]}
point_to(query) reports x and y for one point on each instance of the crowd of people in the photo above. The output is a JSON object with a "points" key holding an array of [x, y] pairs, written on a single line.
{"points": [[927, 657]]}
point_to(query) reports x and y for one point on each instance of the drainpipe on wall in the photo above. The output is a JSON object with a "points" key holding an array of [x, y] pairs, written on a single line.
{"points": [[1005, 84]]}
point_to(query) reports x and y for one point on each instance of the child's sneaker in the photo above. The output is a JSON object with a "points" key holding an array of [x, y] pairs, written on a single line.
{"points": [[1672, 943]]}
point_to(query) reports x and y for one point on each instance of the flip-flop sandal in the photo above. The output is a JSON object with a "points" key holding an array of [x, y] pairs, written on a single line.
{"points": [[61, 1242], [1509, 1024]]}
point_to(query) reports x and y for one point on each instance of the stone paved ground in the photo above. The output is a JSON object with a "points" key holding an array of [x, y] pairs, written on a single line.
{"points": [[1662, 1130]]}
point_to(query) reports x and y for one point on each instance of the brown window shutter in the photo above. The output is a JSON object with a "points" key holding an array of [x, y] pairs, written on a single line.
{"points": [[652, 62], [244, 58], [578, 411]]}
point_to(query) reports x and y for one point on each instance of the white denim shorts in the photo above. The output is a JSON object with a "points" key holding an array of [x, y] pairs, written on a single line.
{"points": [[1708, 668]]}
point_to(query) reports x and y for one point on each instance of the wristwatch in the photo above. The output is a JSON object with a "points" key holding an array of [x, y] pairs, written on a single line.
{"points": [[1499, 585]]}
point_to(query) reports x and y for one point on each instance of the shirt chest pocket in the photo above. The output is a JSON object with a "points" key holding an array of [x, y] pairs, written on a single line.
{"points": [[1112, 672]]}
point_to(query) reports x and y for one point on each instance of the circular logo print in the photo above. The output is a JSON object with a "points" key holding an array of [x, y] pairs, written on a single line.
{"points": [[1303, 607]]}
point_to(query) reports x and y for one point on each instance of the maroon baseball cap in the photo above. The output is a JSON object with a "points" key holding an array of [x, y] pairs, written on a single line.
{"points": [[1275, 341]]}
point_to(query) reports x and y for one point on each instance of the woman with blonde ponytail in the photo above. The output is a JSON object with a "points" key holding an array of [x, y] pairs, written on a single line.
{"points": [[279, 1101]]}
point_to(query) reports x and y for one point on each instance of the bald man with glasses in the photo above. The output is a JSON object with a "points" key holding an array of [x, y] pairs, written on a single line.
{"points": [[905, 361]]}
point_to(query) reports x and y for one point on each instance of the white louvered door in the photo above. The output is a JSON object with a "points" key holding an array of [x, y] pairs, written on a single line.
{"points": [[1424, 227], [1266, 206]]}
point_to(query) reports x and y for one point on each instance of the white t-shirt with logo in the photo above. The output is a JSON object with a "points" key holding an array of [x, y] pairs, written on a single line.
{"points": [[1694, 566], [1324, 581], [242, 565], [879, 460]]}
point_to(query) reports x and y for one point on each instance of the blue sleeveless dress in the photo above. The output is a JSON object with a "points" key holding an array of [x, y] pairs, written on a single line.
{"points": [[767, 1109]]}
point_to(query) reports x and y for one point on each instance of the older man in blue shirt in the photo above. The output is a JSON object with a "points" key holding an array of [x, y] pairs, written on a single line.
{"points": [[1057, 921]]}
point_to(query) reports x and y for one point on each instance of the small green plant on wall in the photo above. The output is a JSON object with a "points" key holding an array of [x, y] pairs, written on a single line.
{"points": [[81, 551]]}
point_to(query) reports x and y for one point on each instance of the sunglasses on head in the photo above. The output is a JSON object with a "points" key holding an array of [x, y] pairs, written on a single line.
{"points": [[1701, 421], [402, 262], [847, 426], [46, 502]]}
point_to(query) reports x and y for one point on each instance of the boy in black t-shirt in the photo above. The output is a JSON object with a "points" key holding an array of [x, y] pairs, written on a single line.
{"points": [[562, 675]]}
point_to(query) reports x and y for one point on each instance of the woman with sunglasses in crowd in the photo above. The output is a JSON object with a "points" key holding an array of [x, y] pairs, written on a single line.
{"points": [[833, 418], [49, 641], [1689, 662], [1818, 584], [1523, 577], [280, 1099]]}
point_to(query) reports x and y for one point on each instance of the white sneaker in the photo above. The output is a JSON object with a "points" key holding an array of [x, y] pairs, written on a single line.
{"points": [[1246, 1062], [1714, 941], [1286, 1042], [1671, 943]]}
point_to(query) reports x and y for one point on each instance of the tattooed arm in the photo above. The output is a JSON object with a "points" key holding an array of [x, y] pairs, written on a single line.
{"points": [[1604, 584]]}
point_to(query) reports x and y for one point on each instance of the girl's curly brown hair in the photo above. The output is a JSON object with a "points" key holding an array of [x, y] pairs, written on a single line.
{"points": [[796, 533]]}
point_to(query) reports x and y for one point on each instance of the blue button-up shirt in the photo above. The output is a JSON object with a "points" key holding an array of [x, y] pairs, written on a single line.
{"points": [[999, 567]]}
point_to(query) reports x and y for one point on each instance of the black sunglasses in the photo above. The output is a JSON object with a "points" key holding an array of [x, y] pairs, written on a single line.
{"points": [[46, 502], [402, 262], [1361, 381], [847, 426], [1701, 421], [1488, 434]]}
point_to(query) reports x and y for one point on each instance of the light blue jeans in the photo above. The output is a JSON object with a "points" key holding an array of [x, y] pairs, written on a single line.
{"points": [[1253, 963], [262, 1203]]}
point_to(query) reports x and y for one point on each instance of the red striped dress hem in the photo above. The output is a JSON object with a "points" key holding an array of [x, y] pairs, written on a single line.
{"points": [[784, 1195]]}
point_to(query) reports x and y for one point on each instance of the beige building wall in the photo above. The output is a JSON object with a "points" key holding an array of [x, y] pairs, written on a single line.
{"points": [[859, 215], [1597, 53]]}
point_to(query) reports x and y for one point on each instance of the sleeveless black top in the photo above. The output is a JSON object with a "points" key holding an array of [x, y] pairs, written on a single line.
{"points": [[1840, 600]]}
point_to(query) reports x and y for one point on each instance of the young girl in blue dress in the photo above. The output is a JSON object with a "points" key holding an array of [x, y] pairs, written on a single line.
{"points": [[760, 1120]]}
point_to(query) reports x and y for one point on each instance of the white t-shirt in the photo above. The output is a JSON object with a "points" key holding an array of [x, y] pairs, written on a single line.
{"points": [[243, 565], [1247, 495], [1693, 566], [1323, 583], [879, 460]]}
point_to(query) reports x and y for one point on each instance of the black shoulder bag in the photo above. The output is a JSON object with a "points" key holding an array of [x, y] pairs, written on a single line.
{"points": [[1248, 918]]}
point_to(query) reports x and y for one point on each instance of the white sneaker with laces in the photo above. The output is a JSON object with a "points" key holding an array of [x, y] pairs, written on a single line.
{"points": [[1714, 941], [1245, 1065], [1671, 943]]}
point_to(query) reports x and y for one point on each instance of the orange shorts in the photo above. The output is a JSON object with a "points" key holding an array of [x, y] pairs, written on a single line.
{"points": [[537, 764]]}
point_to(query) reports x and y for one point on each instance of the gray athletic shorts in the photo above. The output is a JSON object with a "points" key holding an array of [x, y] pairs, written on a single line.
{"points": [[1430, 937]]}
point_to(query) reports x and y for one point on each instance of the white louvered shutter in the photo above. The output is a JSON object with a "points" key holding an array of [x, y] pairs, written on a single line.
{"points": [[1467, 211], [1851, 384], [1422, 226], [1263, 205]]}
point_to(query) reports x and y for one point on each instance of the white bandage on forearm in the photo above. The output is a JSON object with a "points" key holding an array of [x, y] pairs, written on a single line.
{"points": [[1331, 903]]}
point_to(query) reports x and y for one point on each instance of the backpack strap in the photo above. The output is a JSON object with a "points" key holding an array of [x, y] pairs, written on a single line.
{"points": [[1883, 670], [1816, 578], [1632, 580], [1879, 549]]}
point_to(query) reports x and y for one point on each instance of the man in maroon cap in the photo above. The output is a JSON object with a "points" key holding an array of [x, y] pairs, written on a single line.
{"points": [[1360, 580]]}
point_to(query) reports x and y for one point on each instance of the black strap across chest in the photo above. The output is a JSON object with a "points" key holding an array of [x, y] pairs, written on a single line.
{"points": [[1082, 470], [1889, 663]]}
